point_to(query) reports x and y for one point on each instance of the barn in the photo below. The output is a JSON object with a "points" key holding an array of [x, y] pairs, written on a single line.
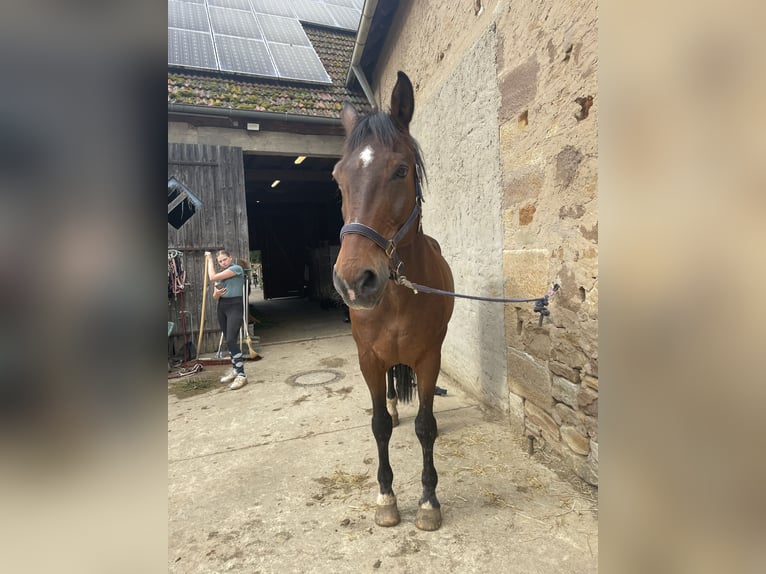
{"points": [[506, 114], [254, 141]]}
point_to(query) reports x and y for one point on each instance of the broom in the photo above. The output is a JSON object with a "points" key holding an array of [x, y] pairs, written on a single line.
{"points": [[202, 317]]}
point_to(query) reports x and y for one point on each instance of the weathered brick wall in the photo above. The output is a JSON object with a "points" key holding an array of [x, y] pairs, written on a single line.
{"points": [[506, 113]]}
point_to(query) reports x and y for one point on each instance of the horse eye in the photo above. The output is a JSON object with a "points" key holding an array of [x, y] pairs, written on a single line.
{"points": [[402, 171]]}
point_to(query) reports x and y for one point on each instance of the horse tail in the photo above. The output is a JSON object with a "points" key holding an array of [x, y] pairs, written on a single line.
{"points": [[402, 377]]}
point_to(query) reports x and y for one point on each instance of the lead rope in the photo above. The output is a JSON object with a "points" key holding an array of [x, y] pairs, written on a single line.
{"points": [[541, 303]]}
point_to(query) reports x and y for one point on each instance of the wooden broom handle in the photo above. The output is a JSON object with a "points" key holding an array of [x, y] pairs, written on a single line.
{"points": [[202, 315]]}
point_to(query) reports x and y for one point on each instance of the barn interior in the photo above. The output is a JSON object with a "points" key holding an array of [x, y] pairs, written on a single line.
{"points": [[294, 218]]}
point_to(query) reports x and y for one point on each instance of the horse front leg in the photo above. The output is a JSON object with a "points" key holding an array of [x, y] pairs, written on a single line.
{"points": [[386, 511], [429, 515]]}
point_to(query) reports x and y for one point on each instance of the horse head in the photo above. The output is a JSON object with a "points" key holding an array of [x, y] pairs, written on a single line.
{"points": [[378, 177]]}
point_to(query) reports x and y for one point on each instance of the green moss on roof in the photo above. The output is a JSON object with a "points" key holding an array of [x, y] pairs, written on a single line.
{"points": [[236, 92]]}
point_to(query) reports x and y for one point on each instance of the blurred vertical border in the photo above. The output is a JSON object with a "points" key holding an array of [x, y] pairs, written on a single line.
{"points": [[82, 404], [682, 198]]}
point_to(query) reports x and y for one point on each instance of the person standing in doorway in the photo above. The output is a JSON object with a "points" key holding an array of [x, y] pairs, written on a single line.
{"points": [[227, 290]]}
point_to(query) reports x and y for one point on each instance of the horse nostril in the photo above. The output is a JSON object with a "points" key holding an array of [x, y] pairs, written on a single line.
{"points": [[368, 281]]}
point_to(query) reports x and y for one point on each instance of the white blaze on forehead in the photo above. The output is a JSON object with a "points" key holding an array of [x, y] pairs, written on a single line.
{"points": [[366, 156]]}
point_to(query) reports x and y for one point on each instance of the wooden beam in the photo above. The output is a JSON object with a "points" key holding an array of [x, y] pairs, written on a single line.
{"points": [[269, 175]]}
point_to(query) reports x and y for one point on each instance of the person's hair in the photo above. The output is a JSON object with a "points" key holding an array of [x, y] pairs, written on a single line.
{"points": [[222, 252]]}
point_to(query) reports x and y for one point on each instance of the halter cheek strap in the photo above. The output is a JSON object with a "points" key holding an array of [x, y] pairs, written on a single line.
{"points": [[387, 245]]}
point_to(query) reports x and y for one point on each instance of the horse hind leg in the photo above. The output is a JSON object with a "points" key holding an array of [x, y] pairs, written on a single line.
{"points": [[400, 380], [391, 398]]}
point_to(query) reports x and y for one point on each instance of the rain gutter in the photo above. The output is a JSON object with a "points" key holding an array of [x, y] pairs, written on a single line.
{"points": [[251, 114]]}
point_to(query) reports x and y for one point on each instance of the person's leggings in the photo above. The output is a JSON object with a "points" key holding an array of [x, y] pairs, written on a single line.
{"points": [[230, 312]]}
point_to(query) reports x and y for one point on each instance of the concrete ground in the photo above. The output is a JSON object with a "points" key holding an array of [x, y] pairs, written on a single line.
{"points": [[279, 476]]}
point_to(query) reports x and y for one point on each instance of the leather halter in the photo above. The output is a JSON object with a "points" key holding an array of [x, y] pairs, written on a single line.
{"points": [[387, 245]]}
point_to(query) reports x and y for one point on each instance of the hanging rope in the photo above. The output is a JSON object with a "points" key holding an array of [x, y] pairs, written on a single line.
{"points": [[541, 303], [176, 273]]}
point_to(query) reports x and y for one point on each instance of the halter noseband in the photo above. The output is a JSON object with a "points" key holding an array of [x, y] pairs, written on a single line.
{"points": [[387, 245]]}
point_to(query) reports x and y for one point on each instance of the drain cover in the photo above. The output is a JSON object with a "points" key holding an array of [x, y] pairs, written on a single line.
{"points": [[310, 378]]}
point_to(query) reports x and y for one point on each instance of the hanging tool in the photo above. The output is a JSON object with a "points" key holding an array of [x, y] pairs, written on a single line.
{"points": [[245, 312], [218, 354]]}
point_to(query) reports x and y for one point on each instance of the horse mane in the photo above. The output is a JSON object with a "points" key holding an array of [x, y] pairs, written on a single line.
{"points": [[380, 127]]}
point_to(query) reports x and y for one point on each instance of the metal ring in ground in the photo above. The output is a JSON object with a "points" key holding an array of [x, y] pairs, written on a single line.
{"points": [[312, 378]]}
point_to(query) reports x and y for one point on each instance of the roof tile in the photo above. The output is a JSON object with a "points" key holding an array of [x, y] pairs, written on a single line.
{"points": [[214, 89]]}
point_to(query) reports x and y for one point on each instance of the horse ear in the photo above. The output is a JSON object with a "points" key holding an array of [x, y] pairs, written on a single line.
{"points": [[402, 101], [348, 117]]}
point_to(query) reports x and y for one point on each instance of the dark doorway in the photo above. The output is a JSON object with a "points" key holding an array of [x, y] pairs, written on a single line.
{"points": [[293, 223]]}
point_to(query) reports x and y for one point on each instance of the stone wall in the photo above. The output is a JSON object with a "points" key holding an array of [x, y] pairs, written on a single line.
{"points": [[506, 113]]}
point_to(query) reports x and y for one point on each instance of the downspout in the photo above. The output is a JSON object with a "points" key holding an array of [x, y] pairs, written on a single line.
{"points": [[365, 86], [355, 70]]}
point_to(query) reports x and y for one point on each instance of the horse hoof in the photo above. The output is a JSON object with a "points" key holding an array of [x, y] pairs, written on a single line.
{"points": [[387, 515], [395, 420], [428, 518]]}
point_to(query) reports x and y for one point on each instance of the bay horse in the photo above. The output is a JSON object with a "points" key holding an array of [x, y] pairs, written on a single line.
{"points": [[398, 332]]}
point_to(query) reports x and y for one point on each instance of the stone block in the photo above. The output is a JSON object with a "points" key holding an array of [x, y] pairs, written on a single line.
{"points": [[531, 428], [518, 88], [568, 351], [564, 391], [526, 272], [565, 415], [590, 381], [589, 424], [515, 411], [522, 184], [565, 371], [551, 439], [575, 440], [568, 161], [537, 343], [542, 419], [529, 379], [585, 467], [587, 401], [527, 214], [594, 450]]}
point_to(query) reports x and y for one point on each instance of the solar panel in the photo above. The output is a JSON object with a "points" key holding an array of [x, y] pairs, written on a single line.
{"points": [[236, 4], [298, 63], [346, 3], [189, 48], [234, 23], [313, 12], [274, 7], [283, 30], [244, 55], [187, 16], [255, 37], [347, 18]]}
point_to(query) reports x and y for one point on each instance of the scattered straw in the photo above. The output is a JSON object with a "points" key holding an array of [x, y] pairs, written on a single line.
{"points": [[484, 469], [344, 482], [494, 499]]}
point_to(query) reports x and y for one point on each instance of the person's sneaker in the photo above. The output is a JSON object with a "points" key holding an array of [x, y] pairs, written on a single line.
{"points": [[239, 382], [229, 377]]}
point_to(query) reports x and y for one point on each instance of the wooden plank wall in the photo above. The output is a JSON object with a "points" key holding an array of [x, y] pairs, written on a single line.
{"points": [[215, 174]]}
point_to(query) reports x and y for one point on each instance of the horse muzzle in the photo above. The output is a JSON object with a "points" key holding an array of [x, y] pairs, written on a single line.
{"points": [[362, 290]]}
